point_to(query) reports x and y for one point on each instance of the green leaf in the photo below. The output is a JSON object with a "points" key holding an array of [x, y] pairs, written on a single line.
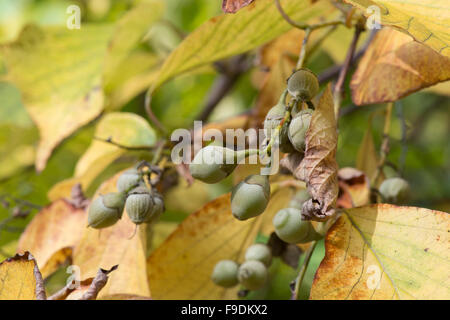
{"points": [[228, 35]]}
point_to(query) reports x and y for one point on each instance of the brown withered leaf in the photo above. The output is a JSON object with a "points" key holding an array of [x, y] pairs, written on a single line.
{"points": [[319, 167], [52, 234], [354, 188], [233, 6], [395, 66]]}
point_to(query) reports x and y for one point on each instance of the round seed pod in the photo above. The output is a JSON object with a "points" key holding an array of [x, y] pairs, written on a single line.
{"points": [[158, 208], [106, 210], [225, 273], [303, 85], [297, 129], [259, 252], [213, 164], [250, 197], [290, 227], [252, 274], [395, 190], [299, 198], [139, 205], [129, 179]]}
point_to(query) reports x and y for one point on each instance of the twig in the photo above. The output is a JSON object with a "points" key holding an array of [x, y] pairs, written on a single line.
{"points": [[301, 58], [339, 87], [304, 26]]}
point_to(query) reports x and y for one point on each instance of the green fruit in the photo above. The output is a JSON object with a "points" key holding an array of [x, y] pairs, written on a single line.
{"points": [[106, 210], [129, 179], [290, 227], [259, 252], [250, 197], [303, 85], [252, 274], [297, 129], [213, 163], [225, 273], [395, 190], [158, 208], [139, 205], [299, 198]]}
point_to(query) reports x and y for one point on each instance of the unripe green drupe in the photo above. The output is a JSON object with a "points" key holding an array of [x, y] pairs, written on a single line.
{"points": [[106, 210], [297, 129], [303, 85], [290, 227], [128, 179], [139, 205]]}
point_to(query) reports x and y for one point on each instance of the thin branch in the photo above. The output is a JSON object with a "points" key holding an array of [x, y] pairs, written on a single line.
{"points": [[301, 58], [384, 150], [97, 284], [302, 272]]}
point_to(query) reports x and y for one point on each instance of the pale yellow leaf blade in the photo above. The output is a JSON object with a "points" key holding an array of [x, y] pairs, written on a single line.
{"points": [[228, 35], [395, 66], [386, 252], [58, 72], [427, 21]]}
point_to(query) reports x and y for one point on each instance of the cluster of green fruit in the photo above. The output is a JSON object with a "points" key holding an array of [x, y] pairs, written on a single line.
{"points": [[143, 205], [214, 163], [252, 274]]}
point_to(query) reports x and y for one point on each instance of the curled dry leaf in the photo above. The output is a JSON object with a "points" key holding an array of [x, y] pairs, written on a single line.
{"points": [[354, 188], [384, 252], [20, 279], [319, 167], [232, 6], [388, 70], [52, 234]]}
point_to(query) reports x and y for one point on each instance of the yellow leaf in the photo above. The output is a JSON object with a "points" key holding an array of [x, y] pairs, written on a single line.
{"points": [[319, 167], [18, 278], [442, 88], [425, 20], [52, 234], [386, 252], [112, 246], [124, 128], [59, 74], [395, 66], [181, 267], [228, 35]]}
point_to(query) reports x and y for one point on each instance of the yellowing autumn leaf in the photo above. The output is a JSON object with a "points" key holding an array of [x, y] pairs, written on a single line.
{"points": [[124, 128], [112, 246], [181, 267], [52, 235], [354, 188], [319, 167], [228, 35], [386, 252], [395, 66], [19, 276], [426, 20], [58, 72]]}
